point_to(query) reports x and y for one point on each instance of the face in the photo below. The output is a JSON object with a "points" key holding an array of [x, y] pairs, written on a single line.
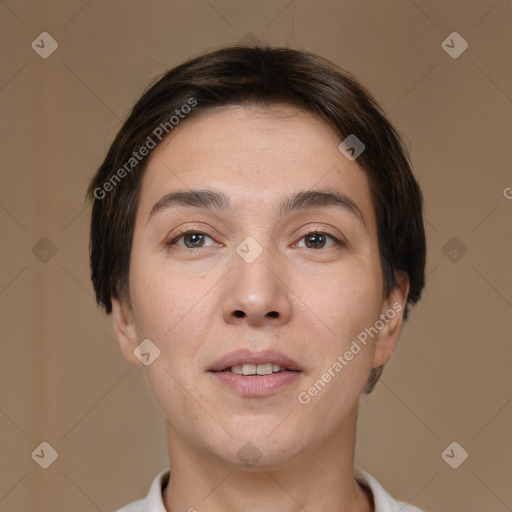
{"points": [[261, 279]]}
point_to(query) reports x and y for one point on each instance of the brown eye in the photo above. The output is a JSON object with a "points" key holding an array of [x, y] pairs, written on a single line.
{"points": [[317, 240]]}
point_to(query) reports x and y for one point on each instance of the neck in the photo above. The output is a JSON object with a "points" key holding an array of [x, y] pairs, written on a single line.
{"points": [[316, 479]]}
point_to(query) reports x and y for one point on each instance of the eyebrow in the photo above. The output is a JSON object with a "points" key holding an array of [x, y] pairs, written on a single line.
{"points": [[302, 200]]}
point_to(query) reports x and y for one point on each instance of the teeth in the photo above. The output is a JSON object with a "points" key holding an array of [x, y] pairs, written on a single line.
{"points": [[237, 369], [264, 369], [249, 369], [252, 369]]}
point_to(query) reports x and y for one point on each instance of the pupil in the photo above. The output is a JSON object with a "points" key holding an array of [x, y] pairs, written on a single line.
{"points": [[317, 236], [194, 236]]}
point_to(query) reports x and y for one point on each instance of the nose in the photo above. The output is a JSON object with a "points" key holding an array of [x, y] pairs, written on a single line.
{"points": [[257, 293]]}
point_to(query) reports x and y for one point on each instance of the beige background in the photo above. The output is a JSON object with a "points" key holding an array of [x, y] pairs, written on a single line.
{"points": [[63, 380]]}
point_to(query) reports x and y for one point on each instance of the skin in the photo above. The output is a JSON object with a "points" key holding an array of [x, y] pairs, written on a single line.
{"points": [[184, 297]]}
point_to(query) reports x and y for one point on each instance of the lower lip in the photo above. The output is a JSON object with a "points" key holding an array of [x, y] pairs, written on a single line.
{"points": [[256, 385]]}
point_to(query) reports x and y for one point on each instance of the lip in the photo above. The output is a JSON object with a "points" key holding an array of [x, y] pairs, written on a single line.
{"points": [[246, 356], [256, 386]]}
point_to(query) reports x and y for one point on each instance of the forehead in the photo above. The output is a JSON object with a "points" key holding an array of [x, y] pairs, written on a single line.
{"points": [[256, 155]]}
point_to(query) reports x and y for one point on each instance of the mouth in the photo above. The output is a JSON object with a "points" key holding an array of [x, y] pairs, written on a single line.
{"points": [[248, 369], [247, 362], [255, 374]]}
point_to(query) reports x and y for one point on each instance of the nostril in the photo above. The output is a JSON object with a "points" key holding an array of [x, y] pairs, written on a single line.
{"points": [[240, 314]]}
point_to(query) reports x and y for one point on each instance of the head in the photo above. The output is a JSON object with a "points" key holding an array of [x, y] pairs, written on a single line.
{"points": [[260, 129]]}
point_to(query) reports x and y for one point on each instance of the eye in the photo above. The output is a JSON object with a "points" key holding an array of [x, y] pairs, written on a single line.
{"points": [[192, 239], [317, 240], [196, 239]]}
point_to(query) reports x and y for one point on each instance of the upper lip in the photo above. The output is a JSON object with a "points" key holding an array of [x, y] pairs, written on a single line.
{"points": [[246, 356]]}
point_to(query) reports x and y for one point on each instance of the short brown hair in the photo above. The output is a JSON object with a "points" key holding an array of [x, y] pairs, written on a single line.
{"points": [[241, 75]]}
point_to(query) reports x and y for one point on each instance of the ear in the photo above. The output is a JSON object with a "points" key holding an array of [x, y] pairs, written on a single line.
{"points": [[126, 333], [392, 311]]}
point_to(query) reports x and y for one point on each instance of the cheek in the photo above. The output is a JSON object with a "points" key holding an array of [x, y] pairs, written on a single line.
{"points": [[175, 312], [347, 306], [344, 303], [343, 300], [162, 299]]}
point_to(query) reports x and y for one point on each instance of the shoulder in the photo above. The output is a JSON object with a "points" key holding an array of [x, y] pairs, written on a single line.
{"points": [[134, 506], [384, 502], [153, 501]]}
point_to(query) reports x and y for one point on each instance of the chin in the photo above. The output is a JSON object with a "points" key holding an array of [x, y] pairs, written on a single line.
{"points": [[259, 456], [259, 446]]}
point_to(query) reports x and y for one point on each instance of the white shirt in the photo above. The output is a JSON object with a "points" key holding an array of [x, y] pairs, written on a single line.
{"points": [[153, 502]]}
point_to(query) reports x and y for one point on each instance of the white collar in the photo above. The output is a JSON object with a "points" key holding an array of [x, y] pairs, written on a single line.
{"points": [[153, 502]]}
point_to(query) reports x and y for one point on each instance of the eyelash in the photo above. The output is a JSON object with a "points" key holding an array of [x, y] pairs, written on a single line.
{"points": [[170, 243]]}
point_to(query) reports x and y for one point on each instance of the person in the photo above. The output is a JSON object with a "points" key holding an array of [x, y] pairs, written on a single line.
{"points": [[257, 236]]}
